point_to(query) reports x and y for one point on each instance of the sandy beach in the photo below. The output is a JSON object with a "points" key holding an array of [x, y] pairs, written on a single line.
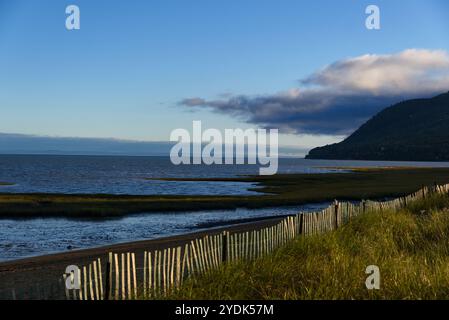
{"points": [[33, 277]]}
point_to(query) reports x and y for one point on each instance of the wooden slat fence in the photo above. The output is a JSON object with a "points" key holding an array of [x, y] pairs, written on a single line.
{"points": [[165, 270]]}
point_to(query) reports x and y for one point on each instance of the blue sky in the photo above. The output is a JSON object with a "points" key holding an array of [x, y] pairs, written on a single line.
{"points": [[124, 73]]}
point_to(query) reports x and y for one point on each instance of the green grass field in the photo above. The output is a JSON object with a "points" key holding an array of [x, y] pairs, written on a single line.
{"points": [[410, 247], [277, 190]]}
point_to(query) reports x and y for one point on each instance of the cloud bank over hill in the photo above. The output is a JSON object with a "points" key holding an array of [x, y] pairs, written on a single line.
{"points": [[340, 97]]}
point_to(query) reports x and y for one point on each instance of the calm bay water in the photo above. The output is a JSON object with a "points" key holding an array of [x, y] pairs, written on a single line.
{"points": [[127, 175], [25, 238]]}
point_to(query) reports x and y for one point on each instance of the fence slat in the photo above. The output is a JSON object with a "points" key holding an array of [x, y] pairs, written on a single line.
{"points": [[91, 289], [164, 272], [178, 267], [123, 277], [150, 278], [128, 274], [145, 257], [97, 291], [133, 260], [117, 277]]}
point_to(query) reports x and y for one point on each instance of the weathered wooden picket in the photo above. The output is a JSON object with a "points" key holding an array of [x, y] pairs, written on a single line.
{"points": [[165, 270]]}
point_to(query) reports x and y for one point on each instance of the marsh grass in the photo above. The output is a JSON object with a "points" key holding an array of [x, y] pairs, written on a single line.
{"points": [[274, 191], [410, 247]]}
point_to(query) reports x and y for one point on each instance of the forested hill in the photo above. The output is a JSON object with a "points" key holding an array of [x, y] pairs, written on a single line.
{"points": [[413, 130]]}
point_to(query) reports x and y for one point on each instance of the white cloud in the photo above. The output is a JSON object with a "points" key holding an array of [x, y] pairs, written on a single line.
{"points": [[405, 72], [340, 97]]}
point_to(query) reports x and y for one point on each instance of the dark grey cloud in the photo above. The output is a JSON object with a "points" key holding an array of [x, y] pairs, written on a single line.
{"points": [[339, 98]]}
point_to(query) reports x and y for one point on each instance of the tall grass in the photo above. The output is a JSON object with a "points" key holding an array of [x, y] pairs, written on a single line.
{"points": [[411, 248]]}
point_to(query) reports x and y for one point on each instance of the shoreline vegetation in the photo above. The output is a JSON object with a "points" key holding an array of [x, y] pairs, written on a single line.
{"points": [[408, 245], [274, 191]]}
